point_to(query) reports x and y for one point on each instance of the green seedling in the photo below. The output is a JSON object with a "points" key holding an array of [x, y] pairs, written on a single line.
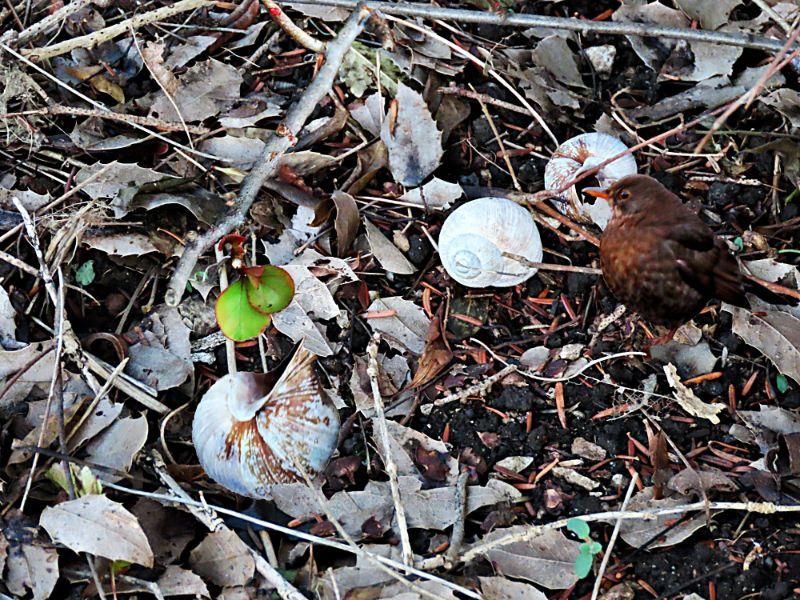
{"points": [[244, 309], [83, 479], [588, 549]]}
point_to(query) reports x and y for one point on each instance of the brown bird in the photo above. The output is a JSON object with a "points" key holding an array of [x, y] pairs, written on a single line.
{"points": [[659, 258]]}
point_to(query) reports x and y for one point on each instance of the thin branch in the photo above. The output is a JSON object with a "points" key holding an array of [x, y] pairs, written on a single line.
{"points": [[213, 523], [391, 468], [50, 22], [109, 33], [284, 138], [293, 31], [778, 62], [410, 9], [613, 539], [457, 538]]}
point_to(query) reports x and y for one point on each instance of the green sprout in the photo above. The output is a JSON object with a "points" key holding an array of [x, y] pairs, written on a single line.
{"points": [[588, 549]]}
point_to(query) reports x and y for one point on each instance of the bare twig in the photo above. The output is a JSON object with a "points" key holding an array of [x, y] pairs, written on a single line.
{"points": [[411, 9], [76, 111], [457, 538], [293, 31], [778, 62], [484, 67], [285, 137], [613, 539], [391, 468], [49, 23], [108, 33], [230, 349], [212, 522], [296, 534], [478, 389], [550, 267]]}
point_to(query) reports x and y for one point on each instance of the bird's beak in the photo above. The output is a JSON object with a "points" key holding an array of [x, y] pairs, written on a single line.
{"points": [[597, 192]]}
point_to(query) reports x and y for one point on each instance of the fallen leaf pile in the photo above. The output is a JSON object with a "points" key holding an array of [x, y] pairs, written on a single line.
{"points": [[486, 419]]}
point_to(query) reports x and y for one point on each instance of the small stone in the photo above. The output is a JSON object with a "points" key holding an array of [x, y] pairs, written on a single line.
{"points": [[588, 450], [602, 58]]}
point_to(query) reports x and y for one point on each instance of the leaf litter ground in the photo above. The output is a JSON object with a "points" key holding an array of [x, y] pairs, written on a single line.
{"points": [[352, 213]]}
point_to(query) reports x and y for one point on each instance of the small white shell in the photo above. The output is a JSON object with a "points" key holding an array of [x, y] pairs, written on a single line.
{"points": [[577, 155], [475, 236], [248, 440]]}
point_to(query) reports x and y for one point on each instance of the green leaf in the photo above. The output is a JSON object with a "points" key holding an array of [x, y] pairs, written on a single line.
{"points": [[782, 383], [237, 319], [594, 548], [84, 275], [118, 566], [274, 292], [739, 243], [583, 564], [579, 527]]}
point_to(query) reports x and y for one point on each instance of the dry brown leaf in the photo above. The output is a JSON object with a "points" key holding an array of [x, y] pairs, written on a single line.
{"points": [[403, 324], [687, 399], [547, 560], [205, 90], [153, 56], [386, 253], [99, 526], [117, 446], [500, 588], [32, 567], [776, 334], [436, 355], [412, 138], [177, 581], [223, 558], [637, 532], [347, 220]]}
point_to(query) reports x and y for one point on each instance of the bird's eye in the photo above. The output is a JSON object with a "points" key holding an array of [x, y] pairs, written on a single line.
{"points": [[624, 195]]}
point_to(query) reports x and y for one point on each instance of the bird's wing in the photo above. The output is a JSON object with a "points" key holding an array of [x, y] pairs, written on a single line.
{"points": [[712, 271], [692, 234]]}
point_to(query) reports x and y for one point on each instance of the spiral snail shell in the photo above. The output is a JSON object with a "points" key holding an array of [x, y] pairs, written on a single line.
{"points": [[479, 239], [248, 439], [579, 154]]}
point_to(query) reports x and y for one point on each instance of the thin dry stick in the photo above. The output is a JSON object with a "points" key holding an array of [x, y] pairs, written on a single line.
{"points": [[285, 137], [114, 116], [478, 389], [294, 533], [410, 9], [207, 517], [613, 539], [50, 22], [778, 62], [184, 151], [21, 265], [337, 525], [550, 267], [484, 67], [391, 468], [50, 395], [109, 33], [532, 531], [500, 144], [457, 538], [293, 31], [230, 350], [473, 95]]}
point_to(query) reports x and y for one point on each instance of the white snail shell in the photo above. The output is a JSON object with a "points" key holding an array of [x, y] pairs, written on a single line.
{"points": [[248, 439], [578, 154], [475, 236]]}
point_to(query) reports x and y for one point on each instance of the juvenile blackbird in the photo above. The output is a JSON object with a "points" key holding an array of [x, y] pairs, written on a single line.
{"points": [[659, 258]]}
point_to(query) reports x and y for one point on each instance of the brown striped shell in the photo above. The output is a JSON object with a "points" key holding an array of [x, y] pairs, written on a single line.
{"points": [[248, 439]]}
